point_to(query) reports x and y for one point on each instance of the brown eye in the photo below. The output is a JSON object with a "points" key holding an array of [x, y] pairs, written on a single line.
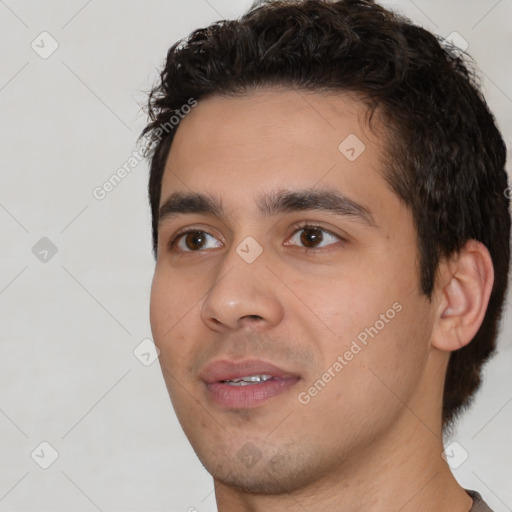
{"points": [[311, 236], [314, 237], [193, 241]]}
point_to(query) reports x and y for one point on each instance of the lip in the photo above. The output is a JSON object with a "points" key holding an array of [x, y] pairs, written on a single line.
{"points": [[242, 397], [225, 369]]}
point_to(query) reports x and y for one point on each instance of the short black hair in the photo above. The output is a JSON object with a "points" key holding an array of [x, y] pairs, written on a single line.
{"points": [[445, 158]]}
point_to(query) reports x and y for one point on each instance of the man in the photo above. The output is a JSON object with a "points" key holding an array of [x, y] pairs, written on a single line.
{"points": [[331, 232]]}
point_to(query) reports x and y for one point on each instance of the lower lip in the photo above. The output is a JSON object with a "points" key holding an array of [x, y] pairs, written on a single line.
{"points": [[243, 397]]}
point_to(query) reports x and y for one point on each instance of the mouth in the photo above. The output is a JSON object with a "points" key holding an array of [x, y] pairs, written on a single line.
{"points": [[249, 380], [245, 384]]}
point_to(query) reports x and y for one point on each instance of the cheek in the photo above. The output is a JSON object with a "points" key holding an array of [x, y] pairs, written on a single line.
{"points": [[168, 318], [170, 307], [395, 357], [376, 379], [161, 307], [380, 333]]}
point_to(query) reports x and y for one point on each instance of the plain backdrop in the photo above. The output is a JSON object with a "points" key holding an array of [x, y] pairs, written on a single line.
{"points": [[76, 270]]}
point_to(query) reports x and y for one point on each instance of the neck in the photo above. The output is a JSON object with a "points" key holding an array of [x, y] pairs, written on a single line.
{"points": [[402, 470]]}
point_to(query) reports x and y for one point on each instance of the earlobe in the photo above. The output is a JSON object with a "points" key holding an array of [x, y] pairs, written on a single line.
{"points": [[465, 287]]}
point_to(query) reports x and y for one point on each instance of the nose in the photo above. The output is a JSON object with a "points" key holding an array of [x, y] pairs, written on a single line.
{"points": [[243, 294]]}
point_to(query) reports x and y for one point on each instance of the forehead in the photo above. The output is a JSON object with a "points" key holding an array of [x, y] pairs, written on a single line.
{"points": [[278, 124], [235, 147]]}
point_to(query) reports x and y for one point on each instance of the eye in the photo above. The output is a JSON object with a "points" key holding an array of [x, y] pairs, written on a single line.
{"points": [[192, 241], [313, 237]]}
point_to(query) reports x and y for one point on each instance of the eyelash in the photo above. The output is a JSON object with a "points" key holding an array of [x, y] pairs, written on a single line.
{"points": [[296, 228]]}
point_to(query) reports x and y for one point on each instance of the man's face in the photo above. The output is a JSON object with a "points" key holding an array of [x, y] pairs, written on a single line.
{"points": [[330, 313]]}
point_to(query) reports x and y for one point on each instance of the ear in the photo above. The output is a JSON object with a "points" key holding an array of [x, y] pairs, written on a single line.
{"points": [[464, 287]]}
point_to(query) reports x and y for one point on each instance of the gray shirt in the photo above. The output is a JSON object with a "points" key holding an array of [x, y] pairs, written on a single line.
{"points": [[479, 504]]}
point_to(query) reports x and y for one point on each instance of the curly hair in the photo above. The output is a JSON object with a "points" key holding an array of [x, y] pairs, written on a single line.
{"points": [[445, 155]]}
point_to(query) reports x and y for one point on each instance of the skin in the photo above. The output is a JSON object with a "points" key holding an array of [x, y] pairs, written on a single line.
{"points": [[371, 439]]}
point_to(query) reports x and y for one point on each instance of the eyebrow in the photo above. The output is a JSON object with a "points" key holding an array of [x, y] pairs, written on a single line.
{"points": [[279, 202]]}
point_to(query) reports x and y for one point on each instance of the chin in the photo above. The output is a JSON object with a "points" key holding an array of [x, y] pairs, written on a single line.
{"points": [[253, 472], [260, 482]]}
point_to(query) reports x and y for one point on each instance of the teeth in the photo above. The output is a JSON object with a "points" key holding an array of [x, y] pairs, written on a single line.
{"points": [[250, 379]]}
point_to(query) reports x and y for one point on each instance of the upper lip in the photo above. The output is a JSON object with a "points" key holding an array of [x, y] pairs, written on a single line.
{"points": [[225, 369]]}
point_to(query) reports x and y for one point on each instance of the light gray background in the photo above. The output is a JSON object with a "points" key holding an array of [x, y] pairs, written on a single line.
{"points": [[69, 325]]}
